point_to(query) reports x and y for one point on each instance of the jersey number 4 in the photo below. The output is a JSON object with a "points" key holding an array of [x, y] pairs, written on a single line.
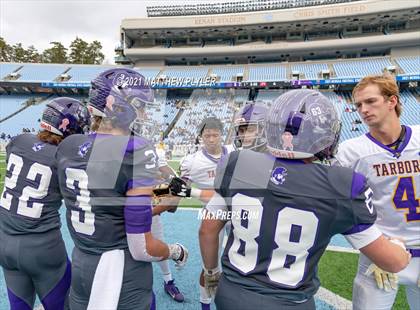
{"points": [[405, 198], [26, 205], [294, 234]]}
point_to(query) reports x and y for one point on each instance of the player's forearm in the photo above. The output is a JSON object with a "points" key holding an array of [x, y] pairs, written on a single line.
{"points": [[395, 260], [203, 195], [155, 247], [209, 244]]}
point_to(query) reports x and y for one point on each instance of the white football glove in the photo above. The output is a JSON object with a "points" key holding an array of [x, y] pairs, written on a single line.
{"points": [[211, 280], [179, 254], [386, 281]]}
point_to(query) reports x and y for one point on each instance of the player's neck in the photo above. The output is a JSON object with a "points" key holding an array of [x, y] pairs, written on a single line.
{"points": [[387, 133], [216, 152]]}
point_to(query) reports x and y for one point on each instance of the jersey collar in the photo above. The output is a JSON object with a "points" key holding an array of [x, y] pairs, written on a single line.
{"points": [[395, 152], [215, 160]]}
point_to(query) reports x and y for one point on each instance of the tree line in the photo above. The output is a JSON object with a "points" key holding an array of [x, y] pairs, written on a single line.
{"points": [[79, 52]]}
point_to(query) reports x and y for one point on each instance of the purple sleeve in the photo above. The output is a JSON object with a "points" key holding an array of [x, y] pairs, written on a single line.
{"points": [[358, 184], [357, 228], [138, 214]]}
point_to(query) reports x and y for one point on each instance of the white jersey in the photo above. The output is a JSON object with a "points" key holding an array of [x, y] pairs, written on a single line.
{"points": [[200, 167], [394, 177]]}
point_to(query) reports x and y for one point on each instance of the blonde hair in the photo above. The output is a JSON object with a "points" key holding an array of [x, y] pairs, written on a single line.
{"points": [[387, 86]]}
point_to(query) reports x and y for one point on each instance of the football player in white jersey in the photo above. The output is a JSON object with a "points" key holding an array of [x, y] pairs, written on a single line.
{"points": [[389, 157], [199, 169]]}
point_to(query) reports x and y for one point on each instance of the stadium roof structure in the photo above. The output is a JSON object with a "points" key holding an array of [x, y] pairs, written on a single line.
{"points": [[233, 7], [325, 30]]}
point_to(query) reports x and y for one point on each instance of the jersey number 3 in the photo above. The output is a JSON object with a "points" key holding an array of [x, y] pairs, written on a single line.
{"points": [[294, 234]]}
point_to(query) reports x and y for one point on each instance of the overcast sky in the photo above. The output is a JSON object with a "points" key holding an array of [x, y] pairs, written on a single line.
{"points": [[39, 22]]}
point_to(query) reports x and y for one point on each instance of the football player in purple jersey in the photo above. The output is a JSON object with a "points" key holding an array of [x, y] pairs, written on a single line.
{"points": [[284, 209], [106, 179], [32, 251]]}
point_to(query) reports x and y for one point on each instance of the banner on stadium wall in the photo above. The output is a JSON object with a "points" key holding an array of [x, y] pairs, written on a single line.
{"points": [[211, 84], [65, 85], [406, 78]]}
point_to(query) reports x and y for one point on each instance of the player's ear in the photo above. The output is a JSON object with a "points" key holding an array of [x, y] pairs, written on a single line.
{"points": [[392, 102]]}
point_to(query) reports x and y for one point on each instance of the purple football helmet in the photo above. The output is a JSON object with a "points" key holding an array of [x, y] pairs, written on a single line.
{"points": [[251, 113], [121, 95], [65, 116], [303, 123]]}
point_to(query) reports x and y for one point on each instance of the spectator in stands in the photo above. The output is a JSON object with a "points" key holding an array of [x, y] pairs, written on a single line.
{"points": [[354, 126]]}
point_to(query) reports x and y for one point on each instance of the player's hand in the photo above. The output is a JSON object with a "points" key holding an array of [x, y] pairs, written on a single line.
{"points": [[179, 187], [211, 280], [179, 254], [161, 190], [386, 281]]}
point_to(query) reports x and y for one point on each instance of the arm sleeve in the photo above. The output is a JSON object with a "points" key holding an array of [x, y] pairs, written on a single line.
{"points": [[138, 221], [364, 237], [217, 206], [363, 231], [185, 167]]}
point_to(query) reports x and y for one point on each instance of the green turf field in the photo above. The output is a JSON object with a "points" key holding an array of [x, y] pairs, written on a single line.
{"points": [[336, 269]]}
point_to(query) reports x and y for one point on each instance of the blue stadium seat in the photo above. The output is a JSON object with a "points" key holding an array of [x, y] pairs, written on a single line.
{"points": [[28, 118], [311, 71], [84, 74], [41, 72], [410, 65], [6, 69], [148, 73], [228, 73], [360, 68], [192, 72], [266, 73]]}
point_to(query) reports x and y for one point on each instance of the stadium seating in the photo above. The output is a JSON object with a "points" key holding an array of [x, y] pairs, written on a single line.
{"points": [[6, 69], [27, 118], [360, 68], [228, 73], [41, 73], [268, 96], [411, 107], [186, 72], [409, 64], [148, 73], [266, 73], [310, 70], [203, 103], [84, 74]]}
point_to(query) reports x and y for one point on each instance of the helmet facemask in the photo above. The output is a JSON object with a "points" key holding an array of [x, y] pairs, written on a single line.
{"points": [[241, 135]]}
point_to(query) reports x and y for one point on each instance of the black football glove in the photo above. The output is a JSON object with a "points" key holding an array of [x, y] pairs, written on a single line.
{"points": [[179, 187]]}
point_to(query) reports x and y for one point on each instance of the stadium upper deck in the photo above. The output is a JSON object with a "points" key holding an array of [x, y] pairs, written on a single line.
{"points": [[352, 29]]}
